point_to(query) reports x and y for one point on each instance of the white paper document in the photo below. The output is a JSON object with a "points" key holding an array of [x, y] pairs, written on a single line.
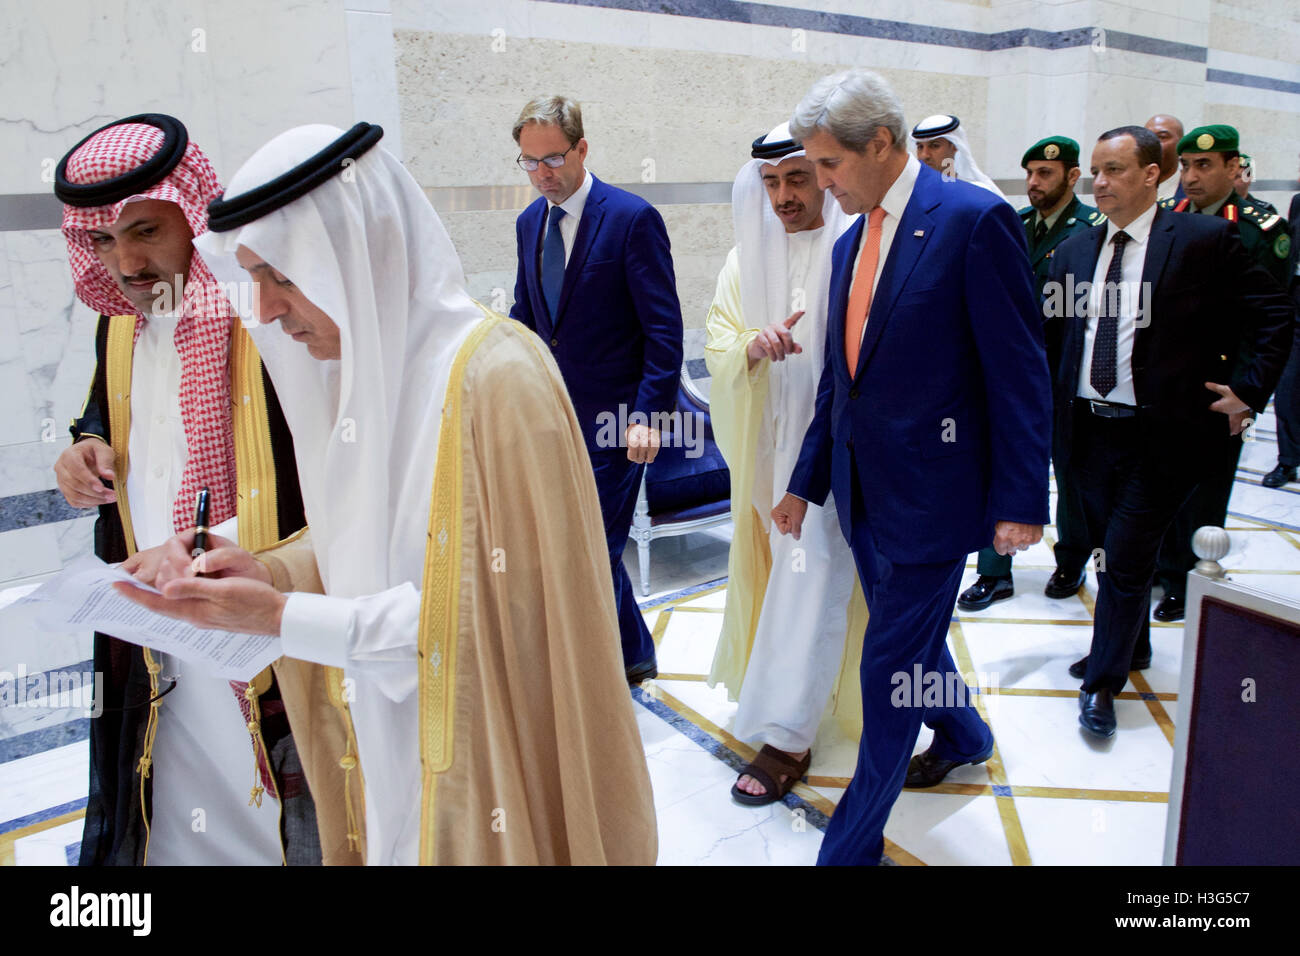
{"points": [[82, 597]]}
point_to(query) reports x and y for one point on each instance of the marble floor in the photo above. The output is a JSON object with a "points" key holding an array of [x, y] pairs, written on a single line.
{"points": [[1049, 795]]}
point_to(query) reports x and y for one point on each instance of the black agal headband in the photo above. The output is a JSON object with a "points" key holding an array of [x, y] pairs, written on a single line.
{"points": [[225, 214], [149, 173], [782, 147]]}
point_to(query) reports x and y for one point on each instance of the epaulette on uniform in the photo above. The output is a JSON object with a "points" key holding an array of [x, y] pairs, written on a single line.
{"points": [[1259, 203], [1266, 219], [1167, 203], [1095, 218]]}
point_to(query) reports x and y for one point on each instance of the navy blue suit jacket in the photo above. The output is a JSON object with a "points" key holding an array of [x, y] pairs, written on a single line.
{"points": [[617, 333], [1208, 297], [948, 416]]}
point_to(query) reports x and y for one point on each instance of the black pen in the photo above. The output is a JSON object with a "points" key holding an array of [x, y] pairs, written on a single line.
{"points": [[201, 508]]}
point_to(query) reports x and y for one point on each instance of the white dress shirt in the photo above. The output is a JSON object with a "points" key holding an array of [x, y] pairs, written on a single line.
{"points": [[156, 447], [1169, 187], [572, 207], [1135, 252], [202, 756], [895, 201]]}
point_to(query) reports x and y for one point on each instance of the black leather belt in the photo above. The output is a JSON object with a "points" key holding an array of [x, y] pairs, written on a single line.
{"points": [[1107, 409]]}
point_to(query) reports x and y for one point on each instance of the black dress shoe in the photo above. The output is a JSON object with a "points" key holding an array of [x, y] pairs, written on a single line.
{"points": [[1079, 668], [927, 770], [1061, 585], [1170, 608], [1097, 713], [984, 592], [646, 670], [1278, 477]]}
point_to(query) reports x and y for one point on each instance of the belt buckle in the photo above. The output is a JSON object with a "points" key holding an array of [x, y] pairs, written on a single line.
{"points": [[1099, 409]]}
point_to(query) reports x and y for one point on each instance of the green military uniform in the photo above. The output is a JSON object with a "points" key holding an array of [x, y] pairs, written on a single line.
{"points": [[1261, 204], [1250, 200], [1264, 234], [1072, 550]]}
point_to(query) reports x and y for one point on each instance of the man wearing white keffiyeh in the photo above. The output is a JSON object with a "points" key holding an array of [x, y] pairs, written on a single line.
{"points": [[454, 565], [939, 141], [765, 352]]}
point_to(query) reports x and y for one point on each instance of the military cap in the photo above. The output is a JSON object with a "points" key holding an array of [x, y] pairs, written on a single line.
{"points": [[1219, 138], [1053, 147]]}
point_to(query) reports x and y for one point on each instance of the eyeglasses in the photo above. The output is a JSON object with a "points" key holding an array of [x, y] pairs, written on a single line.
{"points": [[555, 160]]}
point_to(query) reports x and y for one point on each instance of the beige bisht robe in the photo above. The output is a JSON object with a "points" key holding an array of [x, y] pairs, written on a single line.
{"points": [[525, 715], [737, 402], [317, 705]]}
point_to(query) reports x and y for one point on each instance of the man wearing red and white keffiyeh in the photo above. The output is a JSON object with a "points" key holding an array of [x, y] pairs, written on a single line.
{"points": [[203, 331], [134, 256]]}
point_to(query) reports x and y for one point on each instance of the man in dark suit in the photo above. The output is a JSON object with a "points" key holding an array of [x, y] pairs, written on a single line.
{"points": [[1287, 403], [932, 324], [1169, 130], [1054, 213], [1209, 159], [595, 281], [1156, 307]]}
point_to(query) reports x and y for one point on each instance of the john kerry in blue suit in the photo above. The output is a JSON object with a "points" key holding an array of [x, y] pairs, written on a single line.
{"points": [[934, 436]]}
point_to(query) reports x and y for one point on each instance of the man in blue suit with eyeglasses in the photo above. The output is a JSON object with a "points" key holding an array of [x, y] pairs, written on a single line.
{"points": [[595, 282], [932, 427]]}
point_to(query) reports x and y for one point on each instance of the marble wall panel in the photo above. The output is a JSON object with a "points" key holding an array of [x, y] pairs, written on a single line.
{"points": [[55, 334], [690, 114], [1267, 29], [1270, 137], [222, 66], [1115, 100], [373, 65], [27, 467], [485, 239], [26, 552]]}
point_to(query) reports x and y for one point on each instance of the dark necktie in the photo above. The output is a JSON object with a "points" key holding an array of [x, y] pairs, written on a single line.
{"points": [[553, 261], [1105, 347], [1040, 231]]}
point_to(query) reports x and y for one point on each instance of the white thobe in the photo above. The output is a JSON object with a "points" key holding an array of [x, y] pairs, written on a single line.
{"points": [[799, 641], [203, 761], [375, 640]]}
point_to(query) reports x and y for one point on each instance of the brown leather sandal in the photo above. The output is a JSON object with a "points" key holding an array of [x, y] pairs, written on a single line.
{"points": [[768, 766]]}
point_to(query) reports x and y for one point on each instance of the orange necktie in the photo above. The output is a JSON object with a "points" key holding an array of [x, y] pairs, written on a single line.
{"points": [[855, 317]]}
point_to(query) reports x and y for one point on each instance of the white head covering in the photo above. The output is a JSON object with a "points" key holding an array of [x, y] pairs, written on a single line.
{"points": [[964, 162], [368, 250], [766, 296]]}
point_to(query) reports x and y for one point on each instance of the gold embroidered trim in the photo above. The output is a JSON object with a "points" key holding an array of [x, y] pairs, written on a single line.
{"points": [[440, 593], [256, 506], [150, 733], [119, 354], [349, 761]]}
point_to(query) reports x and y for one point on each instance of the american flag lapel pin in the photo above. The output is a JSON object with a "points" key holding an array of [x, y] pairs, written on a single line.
{"points": [[919, 233]]}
